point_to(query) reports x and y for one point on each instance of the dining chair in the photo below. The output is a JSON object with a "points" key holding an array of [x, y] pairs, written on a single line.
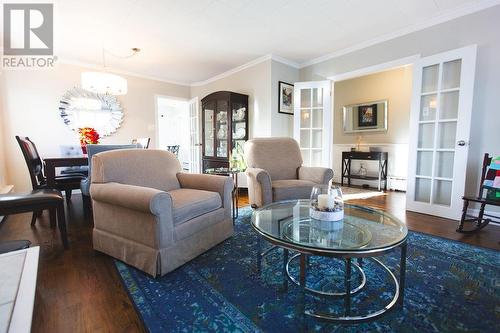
{"points": [[34, 162], [93, 149], [142, 142], [34, 201]]}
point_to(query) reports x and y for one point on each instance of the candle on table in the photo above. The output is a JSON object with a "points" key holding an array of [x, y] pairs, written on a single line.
{"points": [[326, 201]]}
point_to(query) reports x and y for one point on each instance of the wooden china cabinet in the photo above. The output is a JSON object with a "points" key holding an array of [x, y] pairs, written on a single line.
{"points": [[224, 126]]}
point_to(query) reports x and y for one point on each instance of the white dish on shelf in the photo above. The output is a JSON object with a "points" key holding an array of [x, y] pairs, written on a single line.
{"points": [[240, 133], [239, 114]]}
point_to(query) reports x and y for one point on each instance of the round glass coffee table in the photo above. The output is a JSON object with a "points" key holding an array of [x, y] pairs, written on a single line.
{"points": [[363, 233]]}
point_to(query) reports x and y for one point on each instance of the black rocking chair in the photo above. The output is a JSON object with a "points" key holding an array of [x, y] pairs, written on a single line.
{"points": [[482, 219]]}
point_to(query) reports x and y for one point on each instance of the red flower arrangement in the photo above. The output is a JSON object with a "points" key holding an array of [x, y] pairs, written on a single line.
{"points": [[87, 135]]}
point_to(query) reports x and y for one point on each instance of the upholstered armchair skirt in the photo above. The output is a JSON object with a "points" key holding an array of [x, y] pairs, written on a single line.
{"points": [[151, 216], [275, 171]]}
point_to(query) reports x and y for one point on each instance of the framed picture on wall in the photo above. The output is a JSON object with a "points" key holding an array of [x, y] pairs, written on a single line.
{"points": [[367, 115], [285, 96]]}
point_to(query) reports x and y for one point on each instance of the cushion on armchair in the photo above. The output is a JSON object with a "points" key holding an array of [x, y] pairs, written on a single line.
{"points": [[289, 189], [190, 203]]}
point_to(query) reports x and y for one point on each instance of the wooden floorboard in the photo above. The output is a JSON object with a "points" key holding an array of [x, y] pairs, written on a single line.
{"points": [[79, 290]]}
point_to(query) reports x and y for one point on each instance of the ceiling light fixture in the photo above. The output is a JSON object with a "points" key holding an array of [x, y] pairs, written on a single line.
{"points": [[104, 82]]}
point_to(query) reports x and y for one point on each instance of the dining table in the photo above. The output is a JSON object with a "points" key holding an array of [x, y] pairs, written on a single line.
{"points": [[52, 163]]}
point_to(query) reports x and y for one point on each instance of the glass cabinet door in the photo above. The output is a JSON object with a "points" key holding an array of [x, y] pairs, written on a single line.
{"points": [[239, 125], [221, 128], [209, 112]]}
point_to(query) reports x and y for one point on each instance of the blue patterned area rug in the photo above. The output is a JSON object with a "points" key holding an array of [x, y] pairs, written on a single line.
{"points": [[450, 287]]}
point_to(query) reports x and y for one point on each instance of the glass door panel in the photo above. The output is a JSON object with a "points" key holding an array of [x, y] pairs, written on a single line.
{"points": [[428, 105], [423, 190], [449, 105], [305, 118], [209, 113], [426, 136], [221, 128], [430, 76], [446, 135], [239, 126], [442, 192], [444, 164], [451, 74], [424, 163]]}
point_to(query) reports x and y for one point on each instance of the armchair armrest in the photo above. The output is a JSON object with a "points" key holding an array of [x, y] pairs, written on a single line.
{"points": [[316, 174], [143, 199], [221, 184], [259, 187]]}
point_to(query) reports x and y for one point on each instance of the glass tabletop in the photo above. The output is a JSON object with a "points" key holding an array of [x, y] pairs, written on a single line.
{"points": [[362, 229]]}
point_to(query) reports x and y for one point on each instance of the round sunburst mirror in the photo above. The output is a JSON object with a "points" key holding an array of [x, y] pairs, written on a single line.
{"points": [[81, 108]]}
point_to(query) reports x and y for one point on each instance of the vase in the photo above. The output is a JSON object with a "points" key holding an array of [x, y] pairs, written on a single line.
{"points": [[327, 203], [84, 149]]}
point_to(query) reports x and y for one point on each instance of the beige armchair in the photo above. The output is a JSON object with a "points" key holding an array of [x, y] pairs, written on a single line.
{"points": [[275, 171], [151, 216]]}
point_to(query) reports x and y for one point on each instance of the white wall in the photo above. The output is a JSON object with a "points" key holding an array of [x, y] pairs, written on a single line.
{"points": [[30, 108], [281, 124], [255, 82], [395, 86], [260, 83], [480, 28]]}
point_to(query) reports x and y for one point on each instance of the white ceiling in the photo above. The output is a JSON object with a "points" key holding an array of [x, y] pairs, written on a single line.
{"points": [[193, 40]]}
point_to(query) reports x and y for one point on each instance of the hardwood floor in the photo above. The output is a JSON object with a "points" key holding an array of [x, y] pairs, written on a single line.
{"points": [[79, 290]]}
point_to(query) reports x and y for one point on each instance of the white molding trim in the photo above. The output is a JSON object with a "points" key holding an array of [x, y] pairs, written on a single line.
{"points": [[386, 66], [222, 75], [445, 17], [245, 66], [233, 70], [285, 61], [66, 61]]}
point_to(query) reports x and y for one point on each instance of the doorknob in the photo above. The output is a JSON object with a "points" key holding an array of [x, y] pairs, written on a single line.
{"points": [[461, 143]]}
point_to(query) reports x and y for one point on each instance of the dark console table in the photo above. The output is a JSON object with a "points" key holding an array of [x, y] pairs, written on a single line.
{"points": [[381, 157]]}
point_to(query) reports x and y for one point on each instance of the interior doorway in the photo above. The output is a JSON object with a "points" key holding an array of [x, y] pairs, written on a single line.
{"points": [[438, 128], [371, 116], [173, 127]]}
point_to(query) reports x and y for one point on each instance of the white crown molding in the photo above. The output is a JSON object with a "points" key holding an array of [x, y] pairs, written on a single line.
{"points": [[245, 66], [66, 61], [285, 61], [233, 71], [448, 16]]}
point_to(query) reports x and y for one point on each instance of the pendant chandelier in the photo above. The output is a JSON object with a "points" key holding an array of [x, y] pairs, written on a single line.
{"points": [[104, 82]]}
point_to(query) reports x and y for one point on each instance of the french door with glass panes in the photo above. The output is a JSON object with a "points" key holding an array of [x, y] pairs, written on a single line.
{"points": [[312, 121], [443, 87], [194, 137]]}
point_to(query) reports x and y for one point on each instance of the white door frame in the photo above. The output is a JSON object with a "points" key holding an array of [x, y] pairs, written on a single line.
{"points": [[327, 116], [196, 101], [157, 132], [378, 68]]}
